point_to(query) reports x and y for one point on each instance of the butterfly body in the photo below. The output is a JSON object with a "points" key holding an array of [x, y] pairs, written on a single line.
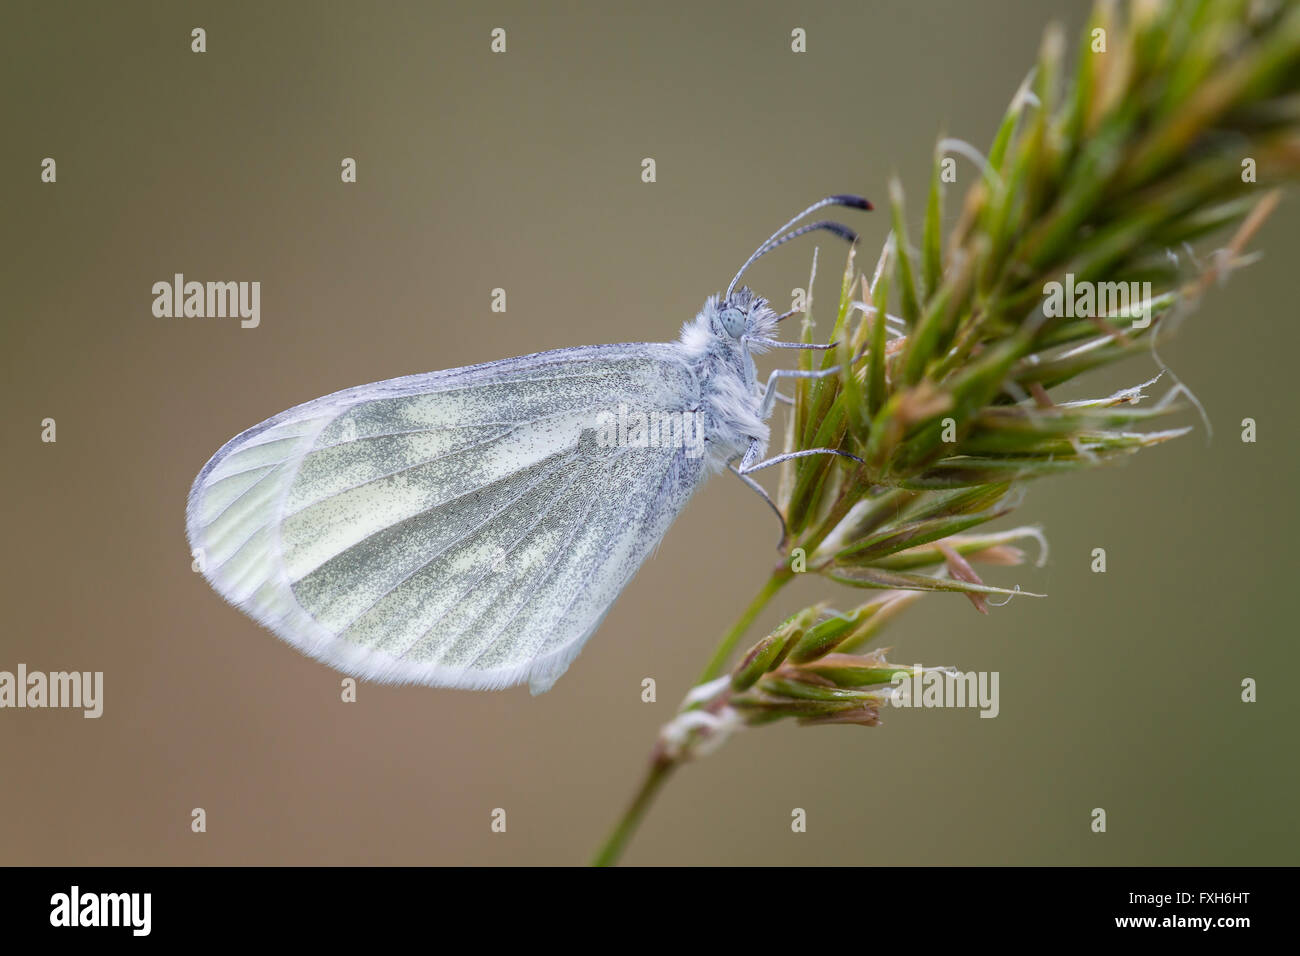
{"points": [[471, 528], [723, 363]]}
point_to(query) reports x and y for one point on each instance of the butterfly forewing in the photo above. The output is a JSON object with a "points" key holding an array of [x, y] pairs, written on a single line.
{"points": [[460, 528]]}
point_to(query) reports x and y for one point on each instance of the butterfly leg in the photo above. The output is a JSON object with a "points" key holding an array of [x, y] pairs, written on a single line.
{"points": [[783, 399], [746, 469], [749, 463], [766, 497], [769, 394]]}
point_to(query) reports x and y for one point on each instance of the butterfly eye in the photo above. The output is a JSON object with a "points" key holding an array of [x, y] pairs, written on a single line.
{"points": [[732, 321]]}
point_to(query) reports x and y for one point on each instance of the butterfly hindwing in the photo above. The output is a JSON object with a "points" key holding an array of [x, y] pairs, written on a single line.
{"points": [[460, 528]]}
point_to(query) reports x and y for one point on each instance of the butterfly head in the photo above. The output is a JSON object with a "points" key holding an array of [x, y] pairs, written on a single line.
{"points": [[740, 316], [739, 320], [730, 324]]}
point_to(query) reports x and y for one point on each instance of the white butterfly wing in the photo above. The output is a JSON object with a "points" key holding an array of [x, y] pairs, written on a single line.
{"points": [[461, 528]]}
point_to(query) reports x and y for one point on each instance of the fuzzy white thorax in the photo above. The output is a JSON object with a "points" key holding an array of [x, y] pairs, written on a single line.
{"points": [[730, 394]]}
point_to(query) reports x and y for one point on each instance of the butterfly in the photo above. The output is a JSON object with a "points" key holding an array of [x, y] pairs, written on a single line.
{"points": [[472, 527]]}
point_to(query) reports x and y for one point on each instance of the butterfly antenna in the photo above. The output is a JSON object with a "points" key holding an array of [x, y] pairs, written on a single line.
{"points": [[780, 238], [838, 228]]}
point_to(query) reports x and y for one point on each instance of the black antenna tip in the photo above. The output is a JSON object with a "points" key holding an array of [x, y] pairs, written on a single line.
{"points": [[839, 229], [853, 202]]}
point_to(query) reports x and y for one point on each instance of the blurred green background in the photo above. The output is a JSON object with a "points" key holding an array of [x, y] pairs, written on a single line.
{"points": [[522, 171]]}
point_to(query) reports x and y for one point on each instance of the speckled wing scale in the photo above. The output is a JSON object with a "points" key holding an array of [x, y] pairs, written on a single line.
{"points": [[459, 528]]}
